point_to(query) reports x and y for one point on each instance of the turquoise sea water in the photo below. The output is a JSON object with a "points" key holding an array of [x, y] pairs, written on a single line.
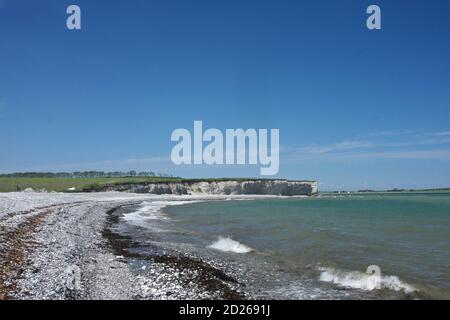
{"points": [[304, 248]]}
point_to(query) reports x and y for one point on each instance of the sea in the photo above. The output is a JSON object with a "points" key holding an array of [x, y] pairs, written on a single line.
{"points": [[332, 246]]}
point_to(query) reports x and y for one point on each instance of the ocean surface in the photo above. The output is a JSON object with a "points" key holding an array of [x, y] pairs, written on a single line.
{"points": [[352, 246]]}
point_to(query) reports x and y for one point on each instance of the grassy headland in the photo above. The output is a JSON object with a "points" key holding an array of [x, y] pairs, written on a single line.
{"points": [[9, 184], [20, 182]]}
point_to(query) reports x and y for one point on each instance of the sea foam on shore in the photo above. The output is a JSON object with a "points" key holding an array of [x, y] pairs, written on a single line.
{"points": [[226, 244]]}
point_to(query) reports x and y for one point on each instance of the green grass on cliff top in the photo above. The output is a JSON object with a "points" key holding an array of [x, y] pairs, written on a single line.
{"points": [[63, 184]]}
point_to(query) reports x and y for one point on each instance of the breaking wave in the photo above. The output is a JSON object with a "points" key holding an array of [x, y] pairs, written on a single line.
{"points": [[229, 245], [363, 281], [151, 210]]}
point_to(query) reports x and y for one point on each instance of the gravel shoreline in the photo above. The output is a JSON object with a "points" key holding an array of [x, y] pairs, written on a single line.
{"points": [[65, 246]]}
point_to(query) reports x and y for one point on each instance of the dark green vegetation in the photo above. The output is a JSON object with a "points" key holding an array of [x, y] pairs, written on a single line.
{"points": [[82, 174], [81, 181], [80, 184]]}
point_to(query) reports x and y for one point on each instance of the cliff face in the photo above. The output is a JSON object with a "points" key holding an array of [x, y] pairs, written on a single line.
{"points": [[257, 187]]}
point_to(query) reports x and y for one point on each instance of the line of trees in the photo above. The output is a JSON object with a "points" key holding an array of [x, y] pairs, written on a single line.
{"points": [[84, 174]]}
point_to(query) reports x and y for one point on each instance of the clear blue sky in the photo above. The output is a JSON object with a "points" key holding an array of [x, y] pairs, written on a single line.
{"points": [[355, 108]]}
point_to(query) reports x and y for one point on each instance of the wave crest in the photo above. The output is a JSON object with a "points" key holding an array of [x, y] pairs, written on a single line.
{"points": [[363, 281], [226, 244]]}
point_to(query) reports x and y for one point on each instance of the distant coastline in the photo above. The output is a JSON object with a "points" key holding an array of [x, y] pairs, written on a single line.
{"points": [[406, 190]]}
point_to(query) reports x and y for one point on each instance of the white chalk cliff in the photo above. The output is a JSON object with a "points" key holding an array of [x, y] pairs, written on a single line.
{"points": [[226, 187]]}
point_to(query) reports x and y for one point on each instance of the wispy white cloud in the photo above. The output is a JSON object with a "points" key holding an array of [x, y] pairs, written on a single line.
{"points": [[389, 133], [410, 136], [442, 154], [436, 134], [340, 146], [393, 145], [437, 154]]}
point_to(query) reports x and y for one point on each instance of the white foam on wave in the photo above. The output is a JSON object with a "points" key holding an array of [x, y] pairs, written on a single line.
{"points": [[226, 244], [146, 211], [150, 210], [363, 281]]}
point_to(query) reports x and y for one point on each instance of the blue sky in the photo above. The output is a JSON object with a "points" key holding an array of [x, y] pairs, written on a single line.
{"points": [[355, 108]]}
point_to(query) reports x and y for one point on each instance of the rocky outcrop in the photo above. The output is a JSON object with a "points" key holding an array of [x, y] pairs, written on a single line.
{"points": [[228, 187]]}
